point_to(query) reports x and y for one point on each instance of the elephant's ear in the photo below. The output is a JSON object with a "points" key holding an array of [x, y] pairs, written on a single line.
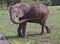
{"points": [[20, 13]]}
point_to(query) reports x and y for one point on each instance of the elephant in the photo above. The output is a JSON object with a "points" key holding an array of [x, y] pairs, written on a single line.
{"points": [[34, 13]]}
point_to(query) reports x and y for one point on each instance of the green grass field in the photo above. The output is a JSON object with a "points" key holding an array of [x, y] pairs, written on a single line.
{"points": [[10, 30]]}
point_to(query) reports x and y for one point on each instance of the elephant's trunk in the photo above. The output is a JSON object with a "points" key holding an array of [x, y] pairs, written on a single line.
{"points": [[17, 22], [13, 19]]}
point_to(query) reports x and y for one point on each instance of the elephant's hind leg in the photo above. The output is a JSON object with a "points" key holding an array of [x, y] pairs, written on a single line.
{"points": [[48, 29], [43, 26]]}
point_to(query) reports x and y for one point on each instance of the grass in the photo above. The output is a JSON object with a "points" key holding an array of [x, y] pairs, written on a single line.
{"points": [[10, 30]]}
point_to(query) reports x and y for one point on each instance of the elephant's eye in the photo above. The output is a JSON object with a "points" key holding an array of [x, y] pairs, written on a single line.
{"points": [[15, 10]]}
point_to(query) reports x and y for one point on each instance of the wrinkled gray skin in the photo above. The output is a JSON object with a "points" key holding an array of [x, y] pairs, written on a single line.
{"points": [[35, 13]]}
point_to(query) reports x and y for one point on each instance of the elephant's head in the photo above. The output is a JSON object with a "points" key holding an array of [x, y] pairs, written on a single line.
{"points": [[16, 11]]}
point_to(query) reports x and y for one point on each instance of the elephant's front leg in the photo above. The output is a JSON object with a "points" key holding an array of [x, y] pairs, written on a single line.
{"points": [[24, 29], [19, 31]]}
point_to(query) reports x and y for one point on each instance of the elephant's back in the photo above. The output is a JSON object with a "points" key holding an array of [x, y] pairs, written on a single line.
{"points": [[38, 11]]}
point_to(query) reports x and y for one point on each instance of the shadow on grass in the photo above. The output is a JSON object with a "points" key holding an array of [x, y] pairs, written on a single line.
{"points": [[33, 34], [15, 37], [11, 37]]}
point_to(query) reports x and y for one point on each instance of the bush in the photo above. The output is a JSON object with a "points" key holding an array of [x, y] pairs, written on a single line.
{"points": [[55, 2]]}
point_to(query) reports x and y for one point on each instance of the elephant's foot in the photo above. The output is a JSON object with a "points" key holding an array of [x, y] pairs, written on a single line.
{"points": [[24, 36], [48, 31], [19, 35]]}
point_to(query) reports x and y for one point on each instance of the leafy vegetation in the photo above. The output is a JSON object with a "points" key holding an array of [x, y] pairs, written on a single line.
{"points": [[46, 2]]}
